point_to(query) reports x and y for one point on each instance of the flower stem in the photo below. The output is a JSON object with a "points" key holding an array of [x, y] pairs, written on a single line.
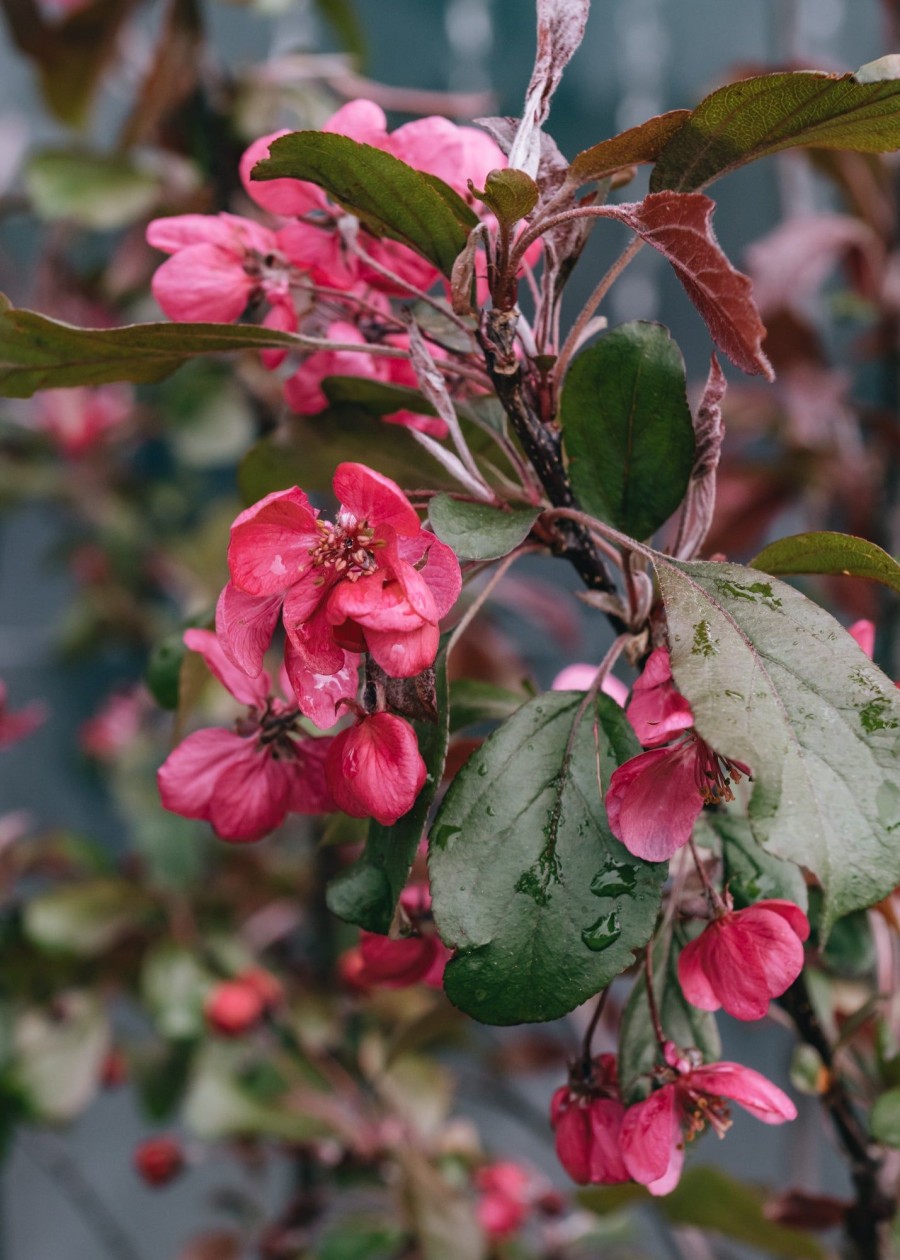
{"points": [[651, 996], [587, 1042]]}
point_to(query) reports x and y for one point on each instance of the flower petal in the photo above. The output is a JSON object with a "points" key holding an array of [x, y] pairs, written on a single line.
{"points": [[271, 543], [245, 625], [650, 1133], [749, 1089], [653, 801], [374, 768], [249, 691], [203, 282], [369, 496], [187, 778]]}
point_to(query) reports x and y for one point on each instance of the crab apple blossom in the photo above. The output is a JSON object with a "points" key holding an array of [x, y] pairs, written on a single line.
{"points": [[654, 799], [374, 768], [397, 962], [233, 1007], [159, 1160], [218, 264], [587, 1116], [743, 958], [654, 1132], [656, 710], [505, 1198], [18, 725], [78, 419], [373, 580], [244, 781]]}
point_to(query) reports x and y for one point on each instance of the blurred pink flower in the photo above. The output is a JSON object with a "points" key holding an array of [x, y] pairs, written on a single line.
{"points": [[505, 1198], [78, 418], [18, 725], [115, 725], [579, 677]]}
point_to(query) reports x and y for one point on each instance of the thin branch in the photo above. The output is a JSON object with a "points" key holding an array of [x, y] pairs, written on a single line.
{"points": [[651, 996], [485, 593], [587, 1056], [573, 340]]}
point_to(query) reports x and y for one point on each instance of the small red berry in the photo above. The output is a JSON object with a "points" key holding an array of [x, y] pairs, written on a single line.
{"points": [[233, 1007], [159, 1160], [268, 987]]}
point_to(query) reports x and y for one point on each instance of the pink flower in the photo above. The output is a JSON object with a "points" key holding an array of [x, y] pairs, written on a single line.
{"points": [[579, 677], [78, 418], [656, 710], [745, 957], [398, 962], [303, 391], [115, 725], [18, 725], [374, 769], [218, 264], [244, 781], [587, 1115], [373, 581], [505, 1198], [654, 799], [863, 631], [654, 1132]]}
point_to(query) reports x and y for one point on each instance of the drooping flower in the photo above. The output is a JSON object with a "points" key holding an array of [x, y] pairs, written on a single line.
{"points": [[656, 710], [18, 725], [587, 1116], [245, 781], [419, 957], [743, 958], [654, 1132], [374, 768], [654, 799], [374, 581]]}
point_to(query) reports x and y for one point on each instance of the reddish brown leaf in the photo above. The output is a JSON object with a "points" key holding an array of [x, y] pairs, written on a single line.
{"points": [[700, 501], [797, 1209], [629, 148], [679, 226]]}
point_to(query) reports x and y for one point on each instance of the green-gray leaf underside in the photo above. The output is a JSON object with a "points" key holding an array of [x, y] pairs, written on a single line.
{"points": [[627, 428], [542, 904], [477, 531], [776, 682]]}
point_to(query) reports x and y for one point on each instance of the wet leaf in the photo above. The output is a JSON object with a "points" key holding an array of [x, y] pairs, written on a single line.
{"points": [[627, 428], [831, 553], [521, 827], [775, 682], [473, 701], [389, 197], [765, 114]]}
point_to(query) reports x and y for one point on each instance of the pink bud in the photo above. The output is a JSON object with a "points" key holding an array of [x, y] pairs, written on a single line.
{"points": [[374, 769], [233, 1007], [159, 1160]]}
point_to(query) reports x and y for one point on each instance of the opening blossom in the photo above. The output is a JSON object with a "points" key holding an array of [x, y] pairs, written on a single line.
{"points": [[744, 958], [654, 1132], [374, 768], [246, 780], [654, 799], [587, 1116], [373, 580]]}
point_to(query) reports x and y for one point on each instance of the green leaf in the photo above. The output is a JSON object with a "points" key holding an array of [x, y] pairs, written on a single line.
{"points": [[377, 397], [41, 353], [473, 701], [775, 682], [88, 918], [390, 198], [627, 428], [630, 148], [827, 552], [101, 191], [477, 531], [522, 828], [682, 1023], [174, 984], [708, 1199], [307, 451], [884, 1122], [163, 673], [744, 121], [510, 194], [367, 893], [751, 873]]}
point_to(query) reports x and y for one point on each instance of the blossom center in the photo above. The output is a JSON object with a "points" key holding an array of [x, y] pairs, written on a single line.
{"points": [[347, 549], [701, 1110]]}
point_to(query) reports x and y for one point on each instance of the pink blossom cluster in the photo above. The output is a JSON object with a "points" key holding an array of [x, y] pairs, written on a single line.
{"points": [[371, 582], [313, 267], [600, 1141]]}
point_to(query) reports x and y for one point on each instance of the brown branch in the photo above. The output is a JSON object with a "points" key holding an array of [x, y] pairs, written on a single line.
{"points": [[873, 1206]]}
